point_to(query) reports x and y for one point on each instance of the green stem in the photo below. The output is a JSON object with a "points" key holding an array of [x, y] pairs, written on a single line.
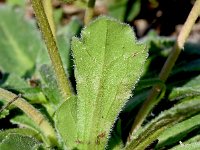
{"points": [[47, 4], [34, 114], [63, 83], [152, 97], [89, 11]]}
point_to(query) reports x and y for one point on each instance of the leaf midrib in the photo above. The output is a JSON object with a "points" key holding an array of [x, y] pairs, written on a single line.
{"points": [[97, 100]]}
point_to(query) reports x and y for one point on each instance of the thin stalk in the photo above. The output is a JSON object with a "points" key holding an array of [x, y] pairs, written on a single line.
{"points": [[9, 103], [47, 4], [33, 113], [165, 71], [89, 11], [63, 83]]}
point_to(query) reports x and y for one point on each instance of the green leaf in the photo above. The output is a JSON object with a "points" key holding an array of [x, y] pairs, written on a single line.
{"points": [[135, 101], [117, 9], [19, 142], [190, 89], [192, 146], [24, 121], [193, 139], [115, 140], [50, 87], [108, 64], [33, 95], [187, 67], [179, 131], [4, 113], [21, 131], [19, 43], [134, 10], [142, 90], [66, 122], [165, 120], [14, 81], [64, 37], [146, 83]]}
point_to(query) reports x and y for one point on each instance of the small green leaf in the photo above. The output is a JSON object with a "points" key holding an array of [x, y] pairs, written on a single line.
{"points": [[108, 64], [66, 122], [165, 120], [19, 142]]}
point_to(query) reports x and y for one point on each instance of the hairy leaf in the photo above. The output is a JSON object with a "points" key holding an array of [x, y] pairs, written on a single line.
{"points": [[190, 89], [21, 131], [193, 65], [177, 132], [165, 120], [115, 140], [191, 146], [50, 87], [66, 122], [108, 64], [19, 142], [24, 121], [193, 139]]}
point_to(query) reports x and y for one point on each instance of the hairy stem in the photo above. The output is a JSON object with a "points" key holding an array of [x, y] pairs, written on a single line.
{"points": [[63, 83], [33, 113], [89, 11], [152, 97], [47, 4]]}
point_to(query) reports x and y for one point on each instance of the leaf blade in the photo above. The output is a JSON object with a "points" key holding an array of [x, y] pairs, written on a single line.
{"points": [[66, 122], [107, 66]]}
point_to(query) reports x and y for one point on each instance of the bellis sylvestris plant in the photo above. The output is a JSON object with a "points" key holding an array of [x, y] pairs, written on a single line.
{"points": [[108, 63]]}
